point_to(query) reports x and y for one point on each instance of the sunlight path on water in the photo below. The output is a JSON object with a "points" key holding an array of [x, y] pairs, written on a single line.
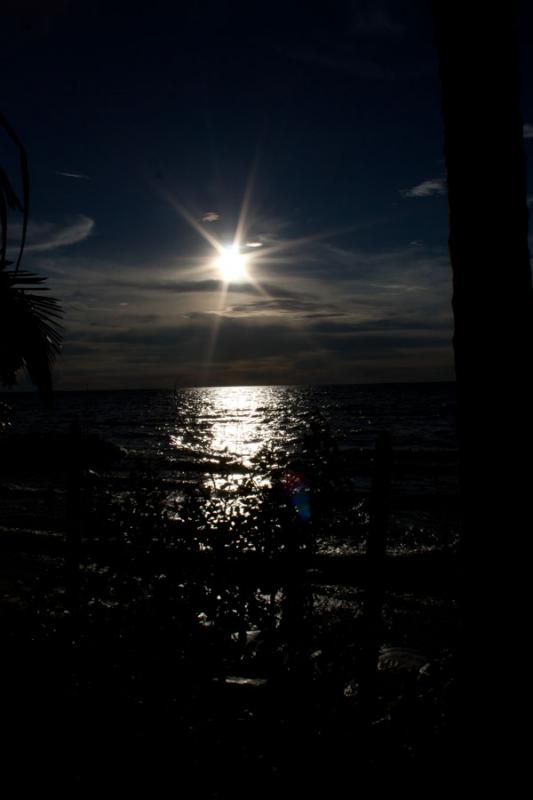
{"points": [[245, 420], [235, 426]]}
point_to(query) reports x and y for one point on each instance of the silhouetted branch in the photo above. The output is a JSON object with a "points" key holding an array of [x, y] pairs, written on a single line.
{"points": [[11, 198], [30, 334]]}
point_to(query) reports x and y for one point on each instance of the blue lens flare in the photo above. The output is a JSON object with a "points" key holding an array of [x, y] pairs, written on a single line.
{"points": [[296, 487]]}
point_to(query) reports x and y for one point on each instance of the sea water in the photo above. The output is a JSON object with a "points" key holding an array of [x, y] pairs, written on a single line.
{"points": [[227, 437]]}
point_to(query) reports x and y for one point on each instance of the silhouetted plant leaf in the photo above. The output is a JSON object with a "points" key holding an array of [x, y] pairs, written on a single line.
{"points": [[3, 230], [24, 171], [10, 195], [30, 334]]}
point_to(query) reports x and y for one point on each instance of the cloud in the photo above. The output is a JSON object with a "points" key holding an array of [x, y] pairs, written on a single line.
{"points": [[78, 175], [295, 305], [430, 188], [319, 280], [369, 19], [528, 131], [210, 216], [252, 350], [341, 58], [319, 312], [366, 23], [45, 236], [388, 324], [207, 286], [330, 270]]}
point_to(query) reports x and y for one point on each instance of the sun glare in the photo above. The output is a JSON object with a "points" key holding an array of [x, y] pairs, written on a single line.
{"points": [[232, 265]]}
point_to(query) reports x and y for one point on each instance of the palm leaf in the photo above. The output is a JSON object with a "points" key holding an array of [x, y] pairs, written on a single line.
{"points": [[3, 229], [30, 332], [7, 189], [10, 195]]}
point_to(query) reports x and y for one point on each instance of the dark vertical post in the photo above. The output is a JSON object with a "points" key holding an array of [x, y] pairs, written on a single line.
{"points": [[375, 564], [74, 517], [493, 343], [379, 517]]}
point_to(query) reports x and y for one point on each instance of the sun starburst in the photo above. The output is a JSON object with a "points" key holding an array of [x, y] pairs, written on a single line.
{"points": [[231, 265]]}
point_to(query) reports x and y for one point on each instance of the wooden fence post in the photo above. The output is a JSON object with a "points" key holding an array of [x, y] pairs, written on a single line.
{"points": [[74, 521], [379, 517], [375, 579]]}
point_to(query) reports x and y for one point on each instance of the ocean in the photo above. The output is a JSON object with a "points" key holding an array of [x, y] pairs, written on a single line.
{"points": [[208, 578], [237, 441]]}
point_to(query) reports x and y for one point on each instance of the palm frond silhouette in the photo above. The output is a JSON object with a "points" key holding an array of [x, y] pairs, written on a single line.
{"points": [[30, 332]]}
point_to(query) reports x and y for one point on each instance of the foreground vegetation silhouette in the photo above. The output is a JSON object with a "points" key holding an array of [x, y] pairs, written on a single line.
{"points": [[30, 333], [200, 632]]}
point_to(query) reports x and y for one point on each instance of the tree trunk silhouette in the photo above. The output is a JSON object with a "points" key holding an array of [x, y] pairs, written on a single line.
{"points": [[492, 304]]}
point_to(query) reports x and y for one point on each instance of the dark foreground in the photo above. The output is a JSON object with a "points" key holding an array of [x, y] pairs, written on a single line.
{"points": [[137, 655]]}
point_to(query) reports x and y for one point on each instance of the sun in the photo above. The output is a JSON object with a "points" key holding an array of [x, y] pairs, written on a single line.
{"points": [[232, 265]]}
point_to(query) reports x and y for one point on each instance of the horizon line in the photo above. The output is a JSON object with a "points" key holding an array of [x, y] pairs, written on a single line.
{"points": [[33, 390]]}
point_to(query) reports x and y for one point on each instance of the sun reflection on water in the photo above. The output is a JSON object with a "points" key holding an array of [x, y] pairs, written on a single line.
{"points": [[229, 429], [243, 421]]}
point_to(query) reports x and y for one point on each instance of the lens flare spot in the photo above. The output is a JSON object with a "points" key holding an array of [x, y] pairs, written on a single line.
{"points": [[297, 489]]}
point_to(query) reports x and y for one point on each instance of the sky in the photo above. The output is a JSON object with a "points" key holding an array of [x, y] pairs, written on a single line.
{"points": [[160, 133]]}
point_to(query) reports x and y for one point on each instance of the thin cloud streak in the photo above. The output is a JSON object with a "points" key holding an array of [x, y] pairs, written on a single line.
{"points": [[429, 188], [76, 175], [47, 236]]}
